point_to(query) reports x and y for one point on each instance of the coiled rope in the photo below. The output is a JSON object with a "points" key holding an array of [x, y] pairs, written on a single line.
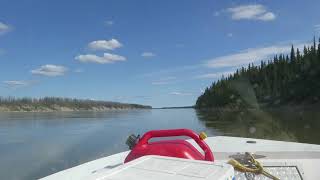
{"points": [[258, 168]]}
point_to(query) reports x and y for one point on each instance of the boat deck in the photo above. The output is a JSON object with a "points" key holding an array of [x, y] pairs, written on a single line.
{"points": [[304, 157]]}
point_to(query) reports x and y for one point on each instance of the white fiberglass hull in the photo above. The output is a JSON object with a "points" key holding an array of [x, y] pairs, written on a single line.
{"points": [[305, 156]]}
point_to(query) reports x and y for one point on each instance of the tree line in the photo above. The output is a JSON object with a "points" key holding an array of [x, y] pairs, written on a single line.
{"points": [[53, 102], [286, 79]]}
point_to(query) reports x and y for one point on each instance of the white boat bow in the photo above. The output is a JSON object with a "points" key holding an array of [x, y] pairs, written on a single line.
{"points": [[303, 157]]}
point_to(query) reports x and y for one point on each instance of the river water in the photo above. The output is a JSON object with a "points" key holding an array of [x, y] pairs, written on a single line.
{"points": [[33, 145]]}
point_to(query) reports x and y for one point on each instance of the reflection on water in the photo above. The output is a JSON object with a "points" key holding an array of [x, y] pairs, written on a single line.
{"points": [[288, 125], [33, 145]]}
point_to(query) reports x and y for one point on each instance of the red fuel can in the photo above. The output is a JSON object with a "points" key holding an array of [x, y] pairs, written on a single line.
{"points": [[173, 148]]}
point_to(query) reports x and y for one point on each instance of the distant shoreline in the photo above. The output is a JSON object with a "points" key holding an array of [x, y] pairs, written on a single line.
{"points": [[50, 111], [78, 110], [58, 104], [181, 107]]}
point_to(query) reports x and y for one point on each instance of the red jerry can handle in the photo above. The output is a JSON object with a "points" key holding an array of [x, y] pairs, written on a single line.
{"points": [[179, 132]]}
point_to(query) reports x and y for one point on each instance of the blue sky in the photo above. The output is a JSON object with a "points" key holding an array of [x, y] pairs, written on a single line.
{"points": [[160, 53]]}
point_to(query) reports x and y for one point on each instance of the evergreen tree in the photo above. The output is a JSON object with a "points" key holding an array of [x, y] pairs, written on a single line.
{"points": [[298, 54], [292, 54], [293, 78]]}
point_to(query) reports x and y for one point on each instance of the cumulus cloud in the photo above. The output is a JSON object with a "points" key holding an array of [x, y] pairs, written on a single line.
{"points": [[50, 70], [148, 54], [269, 16], [249, 56], [4, 28], [180, 94], [251, 12], [105, 44], [106, 58]]}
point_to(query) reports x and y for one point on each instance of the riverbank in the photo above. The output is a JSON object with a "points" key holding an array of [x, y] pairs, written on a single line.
{"points": [[58, 104], [282, 107], [66, 109]]}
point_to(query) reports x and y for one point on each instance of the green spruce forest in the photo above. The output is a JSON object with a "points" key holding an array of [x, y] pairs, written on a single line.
{"points": [[287, 79]]}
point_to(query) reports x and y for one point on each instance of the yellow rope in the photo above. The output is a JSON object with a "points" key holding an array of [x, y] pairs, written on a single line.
{"points": [[258, 170]]}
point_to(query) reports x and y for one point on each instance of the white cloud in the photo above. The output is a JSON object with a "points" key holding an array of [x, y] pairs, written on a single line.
{"points": [[180, 94], [105, 44], [4, 28], [251, 12], [250, 55], [317, 28], [106, 58], [50, 70], [148, 54], [109, 23], [214, 75], [269, 16], [229, 34], [17, 84], [79, 70]]}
